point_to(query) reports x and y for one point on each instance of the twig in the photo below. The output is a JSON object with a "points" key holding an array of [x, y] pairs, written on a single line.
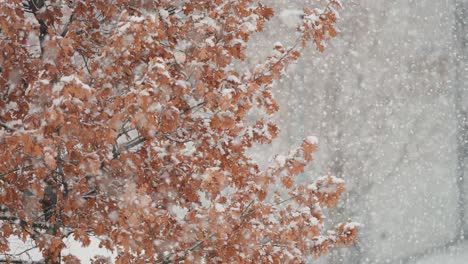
{"points": [[22, 252], [7, 127], [287, 200], [14, 170]]}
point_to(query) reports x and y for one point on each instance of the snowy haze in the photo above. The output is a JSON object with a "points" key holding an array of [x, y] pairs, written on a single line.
{"points": [[388, 102]]}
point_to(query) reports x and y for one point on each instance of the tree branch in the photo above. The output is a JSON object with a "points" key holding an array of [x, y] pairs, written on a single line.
{"points": [[70, 20], [20, 253], [17, 261], [22, 223], [14, 170], [134, 142], [6, 127]]}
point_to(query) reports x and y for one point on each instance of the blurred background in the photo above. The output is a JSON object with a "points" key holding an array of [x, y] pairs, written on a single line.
{"points": [[388, 100]]}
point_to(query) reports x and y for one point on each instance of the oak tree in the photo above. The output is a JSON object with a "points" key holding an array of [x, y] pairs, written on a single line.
{"points": [[128, 121]]}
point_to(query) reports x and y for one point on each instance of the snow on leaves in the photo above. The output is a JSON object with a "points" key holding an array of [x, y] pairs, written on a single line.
{"points": [[127, 122]]}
